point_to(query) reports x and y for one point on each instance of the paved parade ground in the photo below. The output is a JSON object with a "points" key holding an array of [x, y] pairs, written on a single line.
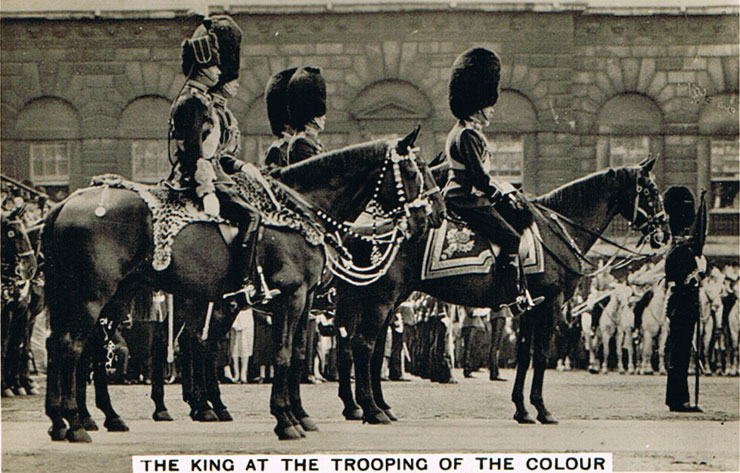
{"points": [[615, 413]]}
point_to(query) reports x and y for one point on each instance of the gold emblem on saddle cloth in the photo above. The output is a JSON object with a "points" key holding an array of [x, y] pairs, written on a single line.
{"points": [[459, 240]]}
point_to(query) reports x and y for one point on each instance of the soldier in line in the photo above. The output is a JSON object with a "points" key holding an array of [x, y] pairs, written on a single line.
{"points": [[685, 266]]}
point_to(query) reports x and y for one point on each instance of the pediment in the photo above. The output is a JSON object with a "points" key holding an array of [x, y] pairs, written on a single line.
{"points": [[388, 109]]}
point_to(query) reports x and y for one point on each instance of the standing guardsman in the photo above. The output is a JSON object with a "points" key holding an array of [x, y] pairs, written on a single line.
{"points": [[470, 191], [685, 266], [276, 100], [307, 111], [210, 61]]}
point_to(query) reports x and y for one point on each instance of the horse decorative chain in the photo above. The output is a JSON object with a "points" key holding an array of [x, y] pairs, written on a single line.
{"points": [[384, 244]]}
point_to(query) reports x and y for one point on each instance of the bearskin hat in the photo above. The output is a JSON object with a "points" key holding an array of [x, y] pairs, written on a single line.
{"points": [[679, 202], [276, 99], [306, 97], [474, 82], [216, 42]]}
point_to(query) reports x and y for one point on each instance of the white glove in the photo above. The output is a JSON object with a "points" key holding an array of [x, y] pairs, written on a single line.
{"points": [[210, 204]]}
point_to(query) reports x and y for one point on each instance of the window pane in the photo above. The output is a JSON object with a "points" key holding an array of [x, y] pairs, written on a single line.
{"points": [[725, 172], [149, 161], [50, 163], [627, 150], [507, 152]]}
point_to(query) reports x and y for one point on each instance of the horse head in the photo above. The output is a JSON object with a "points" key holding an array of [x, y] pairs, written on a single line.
{"points": [[642, 204], [411, 185], [18, 257]]}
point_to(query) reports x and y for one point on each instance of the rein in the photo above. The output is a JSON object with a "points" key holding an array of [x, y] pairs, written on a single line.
{"points": [[567, 238]]}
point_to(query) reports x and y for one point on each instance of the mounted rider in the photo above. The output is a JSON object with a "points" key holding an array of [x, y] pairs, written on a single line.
{"points": [[276, 100], [307, 112], [206, 135], [470, 191]]}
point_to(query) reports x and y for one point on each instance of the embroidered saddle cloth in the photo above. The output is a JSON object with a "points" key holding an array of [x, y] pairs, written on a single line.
{"points": [[172, 210], [453, 249]]}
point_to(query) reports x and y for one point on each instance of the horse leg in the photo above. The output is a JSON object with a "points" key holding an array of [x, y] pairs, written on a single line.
{"points": [[621, 345], [707, 345], [159, 361], [295, 374], [287, 313], [53, 402], [351, 410], [213, 390], [376, 366], [83, 374], [363, 344], [606, 337], [543, 321], [646, 366], [662, 339], [72, 344], [523, 357]]}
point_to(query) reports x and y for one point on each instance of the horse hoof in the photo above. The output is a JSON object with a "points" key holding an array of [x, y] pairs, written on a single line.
{"points": [[78, 435], [287, 433], [376, 418], [593, 371], [58, 433], [523, 418], [299, 429], [115, 424], [206, 415], [20, 391], [352, 413], [88, 424], [308, 424], [648, 373], [224, 415], [7, 392], [33, 391], [389, 413], [160, 416], [546, 418], [621, 371]]}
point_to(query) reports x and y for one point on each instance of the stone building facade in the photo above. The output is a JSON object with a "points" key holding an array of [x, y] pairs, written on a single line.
{"points": [[582, 89]]}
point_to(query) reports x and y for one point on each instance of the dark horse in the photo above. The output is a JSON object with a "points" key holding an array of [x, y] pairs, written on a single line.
{"points": [[590, 202], [19, 265], [95, 261]]}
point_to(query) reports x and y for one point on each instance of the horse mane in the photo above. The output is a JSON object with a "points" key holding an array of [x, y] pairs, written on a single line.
{"points": [[573, 194], [323, 166]]}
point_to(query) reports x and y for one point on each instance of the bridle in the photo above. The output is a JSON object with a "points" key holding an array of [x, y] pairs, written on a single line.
{"points": [[385, 244], [650, 225], [12, 277]]}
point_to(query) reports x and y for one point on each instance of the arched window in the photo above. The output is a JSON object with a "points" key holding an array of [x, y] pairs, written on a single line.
{"points": [[145, 125], [511, 138], [629, 129], [51, 128], [719, 166]]}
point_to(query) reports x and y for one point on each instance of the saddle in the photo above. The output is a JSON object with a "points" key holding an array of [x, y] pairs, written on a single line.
{"points": [[454, 249], [173, 209]]}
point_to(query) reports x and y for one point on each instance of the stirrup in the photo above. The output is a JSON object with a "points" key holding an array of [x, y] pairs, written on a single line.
{"points": [[523, 303], [268, 293]]}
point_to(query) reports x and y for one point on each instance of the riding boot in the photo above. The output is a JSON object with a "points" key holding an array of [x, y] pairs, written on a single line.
{"points": [[249, 222]]}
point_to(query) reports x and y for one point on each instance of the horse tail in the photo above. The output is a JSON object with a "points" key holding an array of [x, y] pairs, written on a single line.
{"points": [[54, 282]]}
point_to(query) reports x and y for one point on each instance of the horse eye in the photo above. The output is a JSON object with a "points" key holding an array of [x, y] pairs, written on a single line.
{"points": [[11, 234]]}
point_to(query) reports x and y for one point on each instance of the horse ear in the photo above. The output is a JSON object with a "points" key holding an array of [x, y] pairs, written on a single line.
{"points": [[403, 146], [647, 165]]}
